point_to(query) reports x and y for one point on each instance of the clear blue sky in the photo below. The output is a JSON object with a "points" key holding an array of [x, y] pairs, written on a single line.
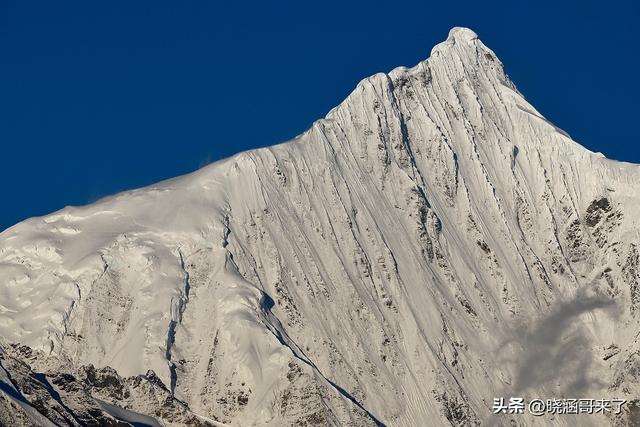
{"points": [[99, 97]]}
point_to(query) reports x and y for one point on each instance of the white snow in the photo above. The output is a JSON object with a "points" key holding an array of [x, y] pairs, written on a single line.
{"points": [[121, 414]]}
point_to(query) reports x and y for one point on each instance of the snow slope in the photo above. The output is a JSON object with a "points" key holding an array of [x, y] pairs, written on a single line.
{"points": [[432, 243]]}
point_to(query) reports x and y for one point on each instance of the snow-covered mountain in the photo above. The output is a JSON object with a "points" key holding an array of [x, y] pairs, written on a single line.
{"points": [[431, 244]]}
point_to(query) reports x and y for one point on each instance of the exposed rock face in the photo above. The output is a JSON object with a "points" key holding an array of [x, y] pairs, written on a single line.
{"points": [[83, 396], [431, 244]]}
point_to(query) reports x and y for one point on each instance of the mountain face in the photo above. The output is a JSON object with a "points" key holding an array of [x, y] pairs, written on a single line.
{"points": [[432, 244]]}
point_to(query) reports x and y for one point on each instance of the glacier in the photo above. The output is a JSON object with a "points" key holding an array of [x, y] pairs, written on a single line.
{"points": [[431, 244]]}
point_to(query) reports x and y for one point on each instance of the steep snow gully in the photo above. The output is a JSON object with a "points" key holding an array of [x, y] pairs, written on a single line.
{"points": [[432, 244]]}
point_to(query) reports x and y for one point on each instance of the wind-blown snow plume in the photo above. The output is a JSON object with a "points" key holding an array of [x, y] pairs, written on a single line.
{"points": [[558, 349]]}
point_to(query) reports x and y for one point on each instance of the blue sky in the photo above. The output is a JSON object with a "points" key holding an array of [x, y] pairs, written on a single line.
{"points": [[99, 97]]}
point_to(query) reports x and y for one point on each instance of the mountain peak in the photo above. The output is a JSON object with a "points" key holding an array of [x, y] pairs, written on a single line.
{"points": [[461, 34], [461, 38]]}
